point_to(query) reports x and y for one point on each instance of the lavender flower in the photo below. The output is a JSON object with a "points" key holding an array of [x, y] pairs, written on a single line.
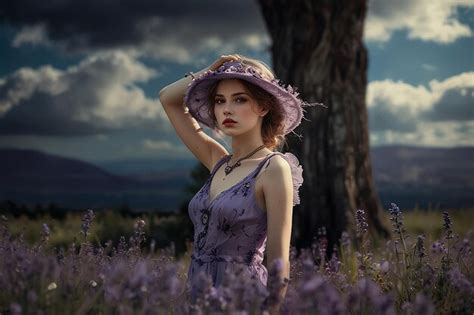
{"points": [[396, 218], [384, 266], [361, 222], [367, 298], [447, 226], [334, 263], [44, 233], [345, 239], [465, 249], [460, 282], [420, 247], [122, 248], [320, 297], [421, 306], [139, 234], [322, 242], [86, 222], [438, 248], [15, 308], [274, 284]]}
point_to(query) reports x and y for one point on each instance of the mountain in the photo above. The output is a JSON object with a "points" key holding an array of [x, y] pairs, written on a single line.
{"points": [[406, 175], [32, 177], [436, 177], [26, 170]]}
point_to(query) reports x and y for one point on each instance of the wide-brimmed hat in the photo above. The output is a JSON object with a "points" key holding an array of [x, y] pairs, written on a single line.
{"points": [[197, 93]]}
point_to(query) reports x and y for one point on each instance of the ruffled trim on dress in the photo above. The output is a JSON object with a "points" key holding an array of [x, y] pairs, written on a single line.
{"points": [[296, 173]]}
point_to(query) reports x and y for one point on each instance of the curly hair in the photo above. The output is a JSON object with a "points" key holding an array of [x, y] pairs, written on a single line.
{"points": [[272, 123]]}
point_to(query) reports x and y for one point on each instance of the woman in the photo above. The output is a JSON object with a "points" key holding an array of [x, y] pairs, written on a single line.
{"points": [[246, 204]]}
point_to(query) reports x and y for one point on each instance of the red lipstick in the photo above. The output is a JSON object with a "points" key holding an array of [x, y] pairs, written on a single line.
{"points": [[228, 121]]}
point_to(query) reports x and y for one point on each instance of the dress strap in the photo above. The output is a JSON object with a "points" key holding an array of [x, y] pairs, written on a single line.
{"points": [[296, 172], [218, 164], [262, 163]]}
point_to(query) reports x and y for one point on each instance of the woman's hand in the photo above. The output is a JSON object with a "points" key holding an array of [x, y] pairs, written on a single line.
{"points": [[222, 59]]}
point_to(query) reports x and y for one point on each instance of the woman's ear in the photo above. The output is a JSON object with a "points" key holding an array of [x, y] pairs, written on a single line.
{"points": [[263, 112]]}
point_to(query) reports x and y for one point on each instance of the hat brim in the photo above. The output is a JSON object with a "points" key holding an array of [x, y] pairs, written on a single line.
{"points": [[197, 97]]}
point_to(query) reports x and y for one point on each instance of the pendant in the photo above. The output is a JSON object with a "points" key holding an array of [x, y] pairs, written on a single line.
{"points": [[229, 169]]}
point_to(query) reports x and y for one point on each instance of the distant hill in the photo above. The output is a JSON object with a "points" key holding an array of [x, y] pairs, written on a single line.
{"points": [[27, 170], [406, 175], [31, 177], [409, 175]]}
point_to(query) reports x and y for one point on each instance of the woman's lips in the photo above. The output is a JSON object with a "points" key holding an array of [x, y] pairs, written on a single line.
{"points": [[229, 122]]}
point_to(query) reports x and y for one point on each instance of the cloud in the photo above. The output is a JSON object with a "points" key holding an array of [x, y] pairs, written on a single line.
{"points": [[396, 105], [454, 99], [440, 114], [33, 35], [429, 67], [426, 20], [171, 30], [433, 134], [99, 95]]}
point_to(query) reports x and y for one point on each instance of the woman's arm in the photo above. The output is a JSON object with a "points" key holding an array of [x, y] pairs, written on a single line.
{"points": [[206, 149], [278, 193]]}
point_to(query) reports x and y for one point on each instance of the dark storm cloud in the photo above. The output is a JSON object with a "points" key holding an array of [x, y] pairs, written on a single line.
{"points": [[147, 26], [99, 95]]}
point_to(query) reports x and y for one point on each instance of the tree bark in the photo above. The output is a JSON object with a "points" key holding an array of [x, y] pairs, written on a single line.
{"points": [[317, 46]]}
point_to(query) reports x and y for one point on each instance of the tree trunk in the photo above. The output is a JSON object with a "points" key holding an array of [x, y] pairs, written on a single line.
{"points": [[317, 46]]}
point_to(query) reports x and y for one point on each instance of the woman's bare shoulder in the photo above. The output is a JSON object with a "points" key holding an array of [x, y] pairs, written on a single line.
{"points": [[277, 168]]}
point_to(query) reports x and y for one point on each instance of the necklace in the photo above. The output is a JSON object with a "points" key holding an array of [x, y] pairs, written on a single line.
{"points": [[229, 168]]}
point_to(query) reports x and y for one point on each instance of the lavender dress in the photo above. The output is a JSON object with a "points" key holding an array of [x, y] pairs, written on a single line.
{"points": [[232, 228]]}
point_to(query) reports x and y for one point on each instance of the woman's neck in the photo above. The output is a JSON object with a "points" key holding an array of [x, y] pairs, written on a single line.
{"points": [[241, 148]]}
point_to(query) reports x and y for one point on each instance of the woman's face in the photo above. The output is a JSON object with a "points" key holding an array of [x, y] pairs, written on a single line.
{"points": [[233, 102]]}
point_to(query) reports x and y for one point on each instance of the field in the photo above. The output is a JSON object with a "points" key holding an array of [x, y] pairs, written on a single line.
{"points": [[105, 263]]}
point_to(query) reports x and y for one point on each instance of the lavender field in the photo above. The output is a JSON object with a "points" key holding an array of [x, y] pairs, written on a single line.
{"points": [[429, 273]]}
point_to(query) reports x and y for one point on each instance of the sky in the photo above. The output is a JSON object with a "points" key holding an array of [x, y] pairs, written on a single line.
{"points": [[81, 78]]}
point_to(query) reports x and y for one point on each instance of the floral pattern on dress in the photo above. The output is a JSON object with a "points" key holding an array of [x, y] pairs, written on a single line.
{"points": [[232, 228]]}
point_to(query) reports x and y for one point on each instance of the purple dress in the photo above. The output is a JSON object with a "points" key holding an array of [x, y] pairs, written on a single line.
{"points": [[232, 228]]}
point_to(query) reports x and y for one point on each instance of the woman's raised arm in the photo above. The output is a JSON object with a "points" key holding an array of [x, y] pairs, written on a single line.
{"points": [[206, 149]]}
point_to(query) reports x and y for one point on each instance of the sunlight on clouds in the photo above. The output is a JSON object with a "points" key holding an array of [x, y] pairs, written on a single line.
{"points": [[437, 134], [441, 114], [99, 92]]}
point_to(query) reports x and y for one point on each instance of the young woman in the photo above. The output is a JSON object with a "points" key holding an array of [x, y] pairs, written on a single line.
{"points": [[246, 204]]}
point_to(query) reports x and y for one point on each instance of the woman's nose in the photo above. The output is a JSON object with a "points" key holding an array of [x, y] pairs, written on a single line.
{"points": [[226, 107]]}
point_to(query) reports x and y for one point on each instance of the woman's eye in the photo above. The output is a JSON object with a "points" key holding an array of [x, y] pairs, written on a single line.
{"points": [[240, 99], [218, 101]]}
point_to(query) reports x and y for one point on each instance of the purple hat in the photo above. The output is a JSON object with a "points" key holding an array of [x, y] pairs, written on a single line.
{"points": [[196, 98]]}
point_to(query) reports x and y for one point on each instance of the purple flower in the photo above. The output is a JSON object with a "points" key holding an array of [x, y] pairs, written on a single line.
{"points": [[334, 263], [465, 249], [420, 247], [345, 239], [367, 298], [15, 308], [447, 226], [460, 282], [396, 218], [438, 248], [86, 222], [384, 266], [361, 222], [139, 234], [422, 305], [44, 233]]}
